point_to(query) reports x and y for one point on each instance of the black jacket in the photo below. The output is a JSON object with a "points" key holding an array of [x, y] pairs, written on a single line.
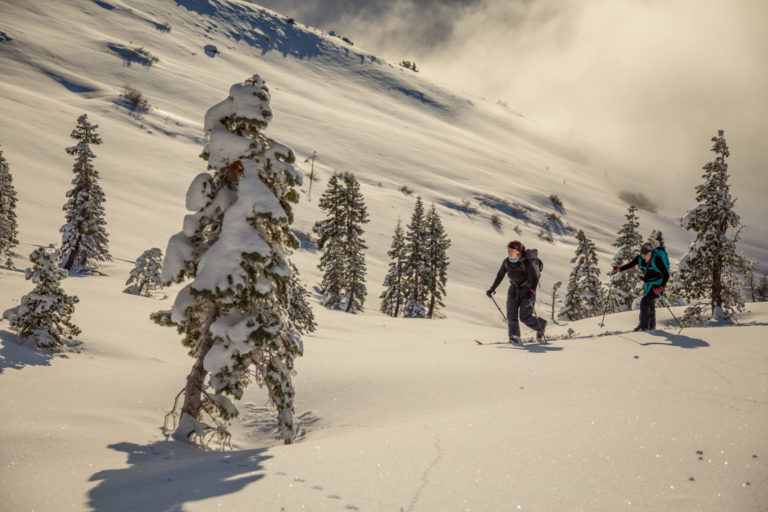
{"points": [[520, 273], [650, 274]]}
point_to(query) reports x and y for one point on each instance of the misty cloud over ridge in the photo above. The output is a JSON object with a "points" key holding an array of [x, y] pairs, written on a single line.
{"points": [[644, 84]]}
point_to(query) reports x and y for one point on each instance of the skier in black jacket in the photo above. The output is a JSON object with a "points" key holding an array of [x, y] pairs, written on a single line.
{"points": [[655, 277], [523, 280]]}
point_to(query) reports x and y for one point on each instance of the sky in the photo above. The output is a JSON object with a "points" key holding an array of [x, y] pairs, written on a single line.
{"points": [[641, 85]]}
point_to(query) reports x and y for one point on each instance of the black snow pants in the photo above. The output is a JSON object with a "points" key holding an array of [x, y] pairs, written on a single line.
{"points": [[648, 310], [518, 299]]}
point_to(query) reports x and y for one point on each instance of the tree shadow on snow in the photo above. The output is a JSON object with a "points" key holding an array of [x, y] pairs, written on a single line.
{"points": [[165, 475], [15, 357]]}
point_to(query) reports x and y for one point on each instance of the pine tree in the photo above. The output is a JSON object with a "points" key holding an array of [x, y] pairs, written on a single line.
{"points": [[340, 234], [626, 286], [234, 315], [761, 292], [393, 297], [584, 296], [711, 272], [416, 268], [8, 227], [84, 235], [657, 239], [298, 306], [43, 316], [437, 244], [145, 276]]}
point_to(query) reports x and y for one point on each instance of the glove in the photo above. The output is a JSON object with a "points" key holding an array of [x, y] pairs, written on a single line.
{"points": [[658, 290], [490, 291], [532, 293], [615, 270]]}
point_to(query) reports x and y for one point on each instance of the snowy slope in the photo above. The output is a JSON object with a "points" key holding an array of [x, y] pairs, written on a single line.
{"points": [[397, 414]]}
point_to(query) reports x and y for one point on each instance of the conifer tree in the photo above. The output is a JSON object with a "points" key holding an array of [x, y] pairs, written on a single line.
{"points": [[657, 239], [626, 285], [84, 235], [711, 272], [437, 244], [340, 234], [234, 314], [8, 227], [43, 316], [584, 295], [416, 268], [394, 295], [145, 276], [298, 306], [761, 292]]}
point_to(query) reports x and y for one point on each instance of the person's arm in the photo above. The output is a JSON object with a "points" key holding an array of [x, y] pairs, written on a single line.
{"points": [[499, 276], [629, 265]]}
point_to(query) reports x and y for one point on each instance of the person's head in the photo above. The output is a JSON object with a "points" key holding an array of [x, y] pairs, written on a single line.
{"points": [[514, 249], [646, 250]]}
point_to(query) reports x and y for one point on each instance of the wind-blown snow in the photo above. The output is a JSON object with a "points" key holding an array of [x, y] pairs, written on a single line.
{"points": [[395, 414]]}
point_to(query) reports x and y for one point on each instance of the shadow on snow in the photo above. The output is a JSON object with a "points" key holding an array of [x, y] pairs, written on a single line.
{"points": [[15, 357], [165, 475]]}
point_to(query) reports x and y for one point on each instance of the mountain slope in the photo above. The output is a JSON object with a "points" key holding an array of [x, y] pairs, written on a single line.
{"points": [[396, 413]]}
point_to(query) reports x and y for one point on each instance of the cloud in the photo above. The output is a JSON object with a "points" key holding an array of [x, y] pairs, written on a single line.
{"points": [[643, 84]]}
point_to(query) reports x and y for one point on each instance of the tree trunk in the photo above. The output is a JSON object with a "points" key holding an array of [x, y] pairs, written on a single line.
{"points": [[70, 260], [717, 284], [193, 391]]}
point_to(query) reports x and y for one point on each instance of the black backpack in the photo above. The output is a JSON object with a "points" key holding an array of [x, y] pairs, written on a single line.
{"points": [[533, 256]]}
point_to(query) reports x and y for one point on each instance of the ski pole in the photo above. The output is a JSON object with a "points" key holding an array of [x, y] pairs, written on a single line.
{"points": [[497, 307], [605, 304], [673, 315]]}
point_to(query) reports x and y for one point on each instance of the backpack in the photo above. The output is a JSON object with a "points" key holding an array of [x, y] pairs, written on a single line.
{"points": [[662, 253], [533, 256]]}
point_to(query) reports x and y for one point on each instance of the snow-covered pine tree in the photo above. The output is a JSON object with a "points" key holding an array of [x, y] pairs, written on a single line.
{"points": [[711, 272], [626, 285], [584, 296], [8, 227], [437, 245], [340, 234], [234, 315], [393, 297], [145, 275], [330, 236], [43, 316], [416, 269], [298, 305], [657, 239], [84, 235]]}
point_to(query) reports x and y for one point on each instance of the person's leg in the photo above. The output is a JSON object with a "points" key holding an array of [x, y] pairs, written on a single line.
{"points": [[527, 317], [646, 305], [652, 315], [512, 306]]}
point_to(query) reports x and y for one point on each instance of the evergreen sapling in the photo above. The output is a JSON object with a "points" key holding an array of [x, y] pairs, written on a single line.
{"points": [[394, 295], [437, 244], [145, 277], [44, 316], [584, 295], [416, 268], [84, 235], [9, 230]]}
